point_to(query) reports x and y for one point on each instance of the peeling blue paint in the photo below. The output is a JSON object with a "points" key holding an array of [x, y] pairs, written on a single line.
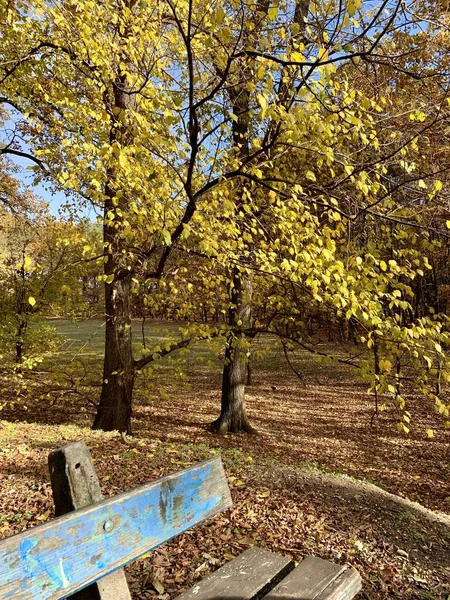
{"points": [[54, 559]]}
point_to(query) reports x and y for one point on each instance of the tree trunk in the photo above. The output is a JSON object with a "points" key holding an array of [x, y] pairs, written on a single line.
{"points": [[233, 415], [249, 373], [19, 341], [115, 408]]}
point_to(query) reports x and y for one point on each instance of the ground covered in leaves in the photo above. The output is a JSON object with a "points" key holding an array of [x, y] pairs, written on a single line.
{"points": [[317, 480]]}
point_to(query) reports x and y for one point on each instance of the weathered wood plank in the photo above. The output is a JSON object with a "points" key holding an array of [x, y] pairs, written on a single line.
{"points": [[309, 581], [247, 577], [75, 485], [62, 556], [344, 587]]}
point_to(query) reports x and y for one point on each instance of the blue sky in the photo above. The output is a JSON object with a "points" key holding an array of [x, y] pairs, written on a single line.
{"points": [[54, 199], [25, 175]]}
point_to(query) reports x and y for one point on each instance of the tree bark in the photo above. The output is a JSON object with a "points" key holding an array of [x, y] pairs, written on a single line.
{"points": [[233, 415], [19, 341], [115, 408], [249, 372]]}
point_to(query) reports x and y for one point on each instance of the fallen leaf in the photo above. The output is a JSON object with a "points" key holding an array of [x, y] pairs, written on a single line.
{"points": [[158, 586]]}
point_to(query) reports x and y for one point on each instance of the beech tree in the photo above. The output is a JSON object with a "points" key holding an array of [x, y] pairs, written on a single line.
{"points": [[362, 183]]}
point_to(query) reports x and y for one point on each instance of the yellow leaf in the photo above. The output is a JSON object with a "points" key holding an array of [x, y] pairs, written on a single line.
{"points": [[402, 428], [297, 57], [310, 175], [31, 301], [45, 515], [430, 433], [263, 103], [272, 197], [272, 13], [220, 15], [225, 34], [166, 237], [122, 160], [385, 365], [323, 55], [28, 264]]}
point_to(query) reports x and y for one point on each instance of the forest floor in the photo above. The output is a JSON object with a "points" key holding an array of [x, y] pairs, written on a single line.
{"points": [[318, 479]]}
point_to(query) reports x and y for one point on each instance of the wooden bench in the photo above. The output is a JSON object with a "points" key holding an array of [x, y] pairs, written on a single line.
{"points": [[82, 551]]}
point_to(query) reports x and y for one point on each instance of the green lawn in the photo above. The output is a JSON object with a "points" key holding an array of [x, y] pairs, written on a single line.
{"points": [[88, 335], [84, 340]]}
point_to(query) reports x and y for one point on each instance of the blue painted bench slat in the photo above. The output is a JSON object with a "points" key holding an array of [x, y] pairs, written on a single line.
{"points": [[58, 558]]}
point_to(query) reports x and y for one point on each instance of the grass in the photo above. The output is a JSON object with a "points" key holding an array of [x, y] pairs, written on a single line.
{"points": [[85, 338], [88, 336]]}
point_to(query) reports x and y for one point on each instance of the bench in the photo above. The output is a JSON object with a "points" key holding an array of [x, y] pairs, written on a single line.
{"points": [[82, 551]]}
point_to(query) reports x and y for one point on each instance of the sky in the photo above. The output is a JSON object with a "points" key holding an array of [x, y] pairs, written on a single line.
{"points": [[54, 199]]}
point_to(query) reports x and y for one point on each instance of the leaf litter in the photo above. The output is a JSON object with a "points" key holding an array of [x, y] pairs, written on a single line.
{"points": [[317, 480]]}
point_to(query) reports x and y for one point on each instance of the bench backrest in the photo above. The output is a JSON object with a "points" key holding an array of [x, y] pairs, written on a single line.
{"points": [[64, 555]]}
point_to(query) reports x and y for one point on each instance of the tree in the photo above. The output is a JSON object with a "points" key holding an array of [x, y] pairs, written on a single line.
{"points": [[40, 275], [136, 120], [285, 89]]}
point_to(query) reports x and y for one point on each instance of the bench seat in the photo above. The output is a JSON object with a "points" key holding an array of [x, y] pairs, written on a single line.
{"points": [[258, 573]]}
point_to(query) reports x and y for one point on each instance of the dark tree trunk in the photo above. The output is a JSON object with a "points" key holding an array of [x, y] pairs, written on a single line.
{"points": [[233, 415], [115, 407], [19, 341], [249, 373]]}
